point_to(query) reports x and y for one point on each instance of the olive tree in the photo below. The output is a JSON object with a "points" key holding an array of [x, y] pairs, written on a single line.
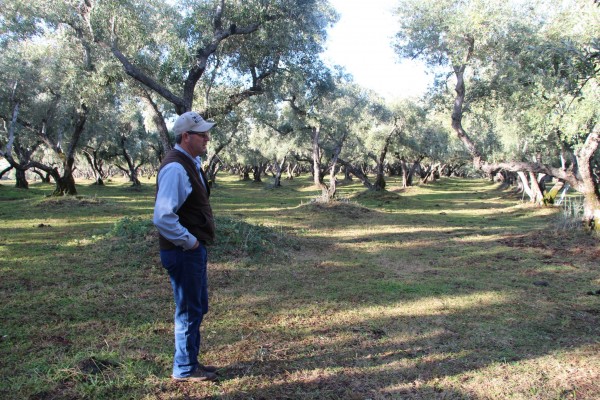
{"points": [[539, 63], [215, 53], [50, 102]]}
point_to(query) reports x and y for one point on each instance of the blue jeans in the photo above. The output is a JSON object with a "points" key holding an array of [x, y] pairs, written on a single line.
{"points": [[187, 270]]}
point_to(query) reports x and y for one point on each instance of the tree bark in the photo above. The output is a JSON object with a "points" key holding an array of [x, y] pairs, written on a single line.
{"points": [[5, 170], [43, 178], [291, 170], [316, 155], [530, 187], [332, 189], [278, 172], [21, 180], [589, 183], [347, 175], [96, 164], [432, 174], [214, 164], [536, 189], [459, 72], [327, 192], [405, 173], [359, 173], [245, 172], [158, 120], [24, 154], [550, 196], [132, 169], [380, 169], [214, 161], [257, 171], [66, 183]]}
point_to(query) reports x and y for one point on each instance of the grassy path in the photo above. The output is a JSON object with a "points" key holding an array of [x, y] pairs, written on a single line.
{"points": [[449, 291]]}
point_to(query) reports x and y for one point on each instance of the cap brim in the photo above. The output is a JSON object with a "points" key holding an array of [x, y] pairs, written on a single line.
{"points": [[204, 126]]}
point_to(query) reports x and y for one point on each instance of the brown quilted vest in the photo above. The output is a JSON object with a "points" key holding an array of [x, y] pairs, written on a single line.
{"points": [[195, 214]]}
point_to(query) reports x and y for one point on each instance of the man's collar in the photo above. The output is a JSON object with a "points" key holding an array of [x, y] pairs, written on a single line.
{"points": [[196, 160]]}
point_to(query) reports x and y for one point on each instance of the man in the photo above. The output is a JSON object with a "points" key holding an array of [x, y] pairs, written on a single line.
{"points": [[185, 224]]}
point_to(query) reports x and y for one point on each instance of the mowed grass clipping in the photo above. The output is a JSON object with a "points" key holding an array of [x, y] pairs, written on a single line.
{"points": [[448, 291]]}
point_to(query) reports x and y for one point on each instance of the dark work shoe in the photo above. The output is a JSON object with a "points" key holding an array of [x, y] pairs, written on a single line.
{"points": [[199, 375], [208, 368]]}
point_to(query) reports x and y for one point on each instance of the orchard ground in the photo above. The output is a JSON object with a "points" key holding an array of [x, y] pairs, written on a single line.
{"points": [[454, 290]]}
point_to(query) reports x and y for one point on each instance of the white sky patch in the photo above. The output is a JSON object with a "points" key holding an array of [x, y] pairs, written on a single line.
{"points": [[361, 42]]}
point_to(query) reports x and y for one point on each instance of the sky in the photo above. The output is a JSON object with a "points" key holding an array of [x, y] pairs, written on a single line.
{"points": [[360, 42]]}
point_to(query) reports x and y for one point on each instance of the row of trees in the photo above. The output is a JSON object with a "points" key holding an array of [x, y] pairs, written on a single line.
{"points": [[81, 73], [516, 91], [525, 79]]}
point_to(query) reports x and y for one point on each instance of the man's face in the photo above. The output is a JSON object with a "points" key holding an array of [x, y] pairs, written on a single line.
{"points": [[197, 143]]}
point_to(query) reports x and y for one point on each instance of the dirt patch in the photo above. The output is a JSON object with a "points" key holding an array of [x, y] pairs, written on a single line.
{"points": [[382, 195], [134, 189], [575, 244], [57, 340], [349, 210], [95, 365], [70, 201]]}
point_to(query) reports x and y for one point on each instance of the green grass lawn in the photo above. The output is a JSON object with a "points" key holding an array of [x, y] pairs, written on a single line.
{"points": [[448, 291]]}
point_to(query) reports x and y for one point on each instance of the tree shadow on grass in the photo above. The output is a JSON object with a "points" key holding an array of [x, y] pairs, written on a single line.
{"points": [[307, 326], [374, 350], [374, 358], [535, 321]]}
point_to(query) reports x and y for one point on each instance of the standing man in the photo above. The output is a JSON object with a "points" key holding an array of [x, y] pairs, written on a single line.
{"points": [[185, 224]]}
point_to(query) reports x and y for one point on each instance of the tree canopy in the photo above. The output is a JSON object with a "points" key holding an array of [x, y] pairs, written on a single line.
{"points": [[101, 80], [525, 76]]}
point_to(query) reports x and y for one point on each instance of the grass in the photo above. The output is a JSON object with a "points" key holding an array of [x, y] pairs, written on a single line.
{"points": [[449, 291]]}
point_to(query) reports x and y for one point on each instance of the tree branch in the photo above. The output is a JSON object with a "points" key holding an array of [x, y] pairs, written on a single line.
{"points": [[137, 74]]}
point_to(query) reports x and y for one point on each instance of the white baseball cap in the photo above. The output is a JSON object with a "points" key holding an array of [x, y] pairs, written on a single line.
{"points": [[191, 121]]}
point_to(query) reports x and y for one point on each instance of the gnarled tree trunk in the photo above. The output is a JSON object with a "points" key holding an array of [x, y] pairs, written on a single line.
{"points": [[245, 172], [359, 173], [291, 170], [257, 171], [380, 168], [5, 170], [132, 170], [278, 172], [24, 154], [316, 154], [581, 176], [96, 164], [21, 180], [66, 183], [531, 187]]}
